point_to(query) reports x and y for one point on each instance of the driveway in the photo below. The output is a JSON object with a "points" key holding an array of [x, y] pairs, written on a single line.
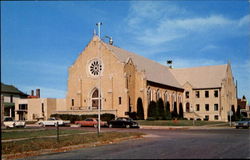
{"points": [[168, 144]]}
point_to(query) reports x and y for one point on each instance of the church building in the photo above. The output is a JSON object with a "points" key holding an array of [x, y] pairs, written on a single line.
{"points": [[125, 79]]}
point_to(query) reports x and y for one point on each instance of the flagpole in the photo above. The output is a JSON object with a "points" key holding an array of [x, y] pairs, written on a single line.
{"points": [[99, 93]]}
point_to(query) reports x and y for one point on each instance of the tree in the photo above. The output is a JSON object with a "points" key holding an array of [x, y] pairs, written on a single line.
{"points": [[140, 110], [238, 114], [152, 109], [167, 112], [233, 110], [174, 112], [180, 111], [160, 109]]}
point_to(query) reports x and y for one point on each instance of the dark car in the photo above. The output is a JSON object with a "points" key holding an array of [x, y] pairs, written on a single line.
{"points": [[244, 123], [123, 122]]}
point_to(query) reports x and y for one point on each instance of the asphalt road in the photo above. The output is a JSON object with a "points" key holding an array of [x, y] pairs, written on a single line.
{"points": [[169, 144]]}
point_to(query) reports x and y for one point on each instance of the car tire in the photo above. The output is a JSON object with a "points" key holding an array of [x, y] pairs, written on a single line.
{"points": [[237, 127], [127, 126], [110, 126]]}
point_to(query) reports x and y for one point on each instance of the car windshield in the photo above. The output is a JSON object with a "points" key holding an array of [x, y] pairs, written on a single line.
{"points": [[8, 119], [245, 119]]}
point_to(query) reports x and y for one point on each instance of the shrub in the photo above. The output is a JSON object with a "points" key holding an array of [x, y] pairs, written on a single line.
{"points": [[72, 118], [150, 119], [132, 115]]}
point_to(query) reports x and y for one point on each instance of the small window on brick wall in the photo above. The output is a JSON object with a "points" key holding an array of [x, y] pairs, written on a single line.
{"points": [[216, 107], [215, 93], [216, 117], [72, 102], [197, 107], [197, 94], [207, 107], [120, 100]]}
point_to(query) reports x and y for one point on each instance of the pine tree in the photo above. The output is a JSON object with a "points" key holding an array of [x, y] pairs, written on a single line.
{"points": [[140, 110]]}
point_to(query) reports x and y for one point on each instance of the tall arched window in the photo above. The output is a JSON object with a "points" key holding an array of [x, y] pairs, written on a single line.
{"points": [[187, 107], [149, 95], [165, 97], [95, 99], [158, 95]]}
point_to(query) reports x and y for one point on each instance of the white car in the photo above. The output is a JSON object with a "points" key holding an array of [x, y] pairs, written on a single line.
{"points": [[10, 123], [53, 121]]}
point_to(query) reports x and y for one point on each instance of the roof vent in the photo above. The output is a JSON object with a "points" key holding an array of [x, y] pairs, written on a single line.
{"points": [[110, 40]]}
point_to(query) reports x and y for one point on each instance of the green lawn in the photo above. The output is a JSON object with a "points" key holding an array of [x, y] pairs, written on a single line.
{"points": [[51, 143], [177, 123], [15, 134]]}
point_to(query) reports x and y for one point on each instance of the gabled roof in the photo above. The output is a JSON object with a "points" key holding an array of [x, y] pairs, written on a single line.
{"points": [[154, 71], [201, 77], [11, 89]]}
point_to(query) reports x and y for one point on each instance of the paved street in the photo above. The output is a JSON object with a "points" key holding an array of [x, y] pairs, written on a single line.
{"points": [[169, 144]]}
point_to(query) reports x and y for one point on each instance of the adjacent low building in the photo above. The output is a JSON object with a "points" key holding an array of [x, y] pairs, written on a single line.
{"points": [[33, 109]]}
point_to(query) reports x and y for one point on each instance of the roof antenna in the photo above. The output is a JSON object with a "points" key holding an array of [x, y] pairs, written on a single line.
{"points": [[110, 40], [169, 63]]}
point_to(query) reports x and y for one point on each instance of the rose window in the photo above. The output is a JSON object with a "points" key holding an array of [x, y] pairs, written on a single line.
{"points": [[95, 68]]}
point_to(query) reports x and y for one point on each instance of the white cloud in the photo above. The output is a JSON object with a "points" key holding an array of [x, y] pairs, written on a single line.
{"points": [[209, 48], [155, 23]]}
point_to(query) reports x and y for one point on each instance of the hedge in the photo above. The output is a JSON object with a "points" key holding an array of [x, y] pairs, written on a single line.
{"points": [[72, 118]]}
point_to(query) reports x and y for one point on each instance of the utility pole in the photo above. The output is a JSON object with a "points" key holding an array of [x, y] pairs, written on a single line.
{"points": [[99, 93]]}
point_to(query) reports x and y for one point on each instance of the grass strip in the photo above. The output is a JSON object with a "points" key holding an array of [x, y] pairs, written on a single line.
{"points": [[39, 133], [177, 123], [51, 143]]}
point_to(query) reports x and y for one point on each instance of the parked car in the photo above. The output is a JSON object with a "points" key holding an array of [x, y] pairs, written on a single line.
{"points": [[91, 122], [244, 123], [10, 123], [123, 122], [53, 121]]}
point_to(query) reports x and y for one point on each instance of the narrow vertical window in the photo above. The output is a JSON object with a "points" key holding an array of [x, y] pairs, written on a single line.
{"points": [[72, 102], [11, 98], [120, 100], [42, 107], [187, 94]]}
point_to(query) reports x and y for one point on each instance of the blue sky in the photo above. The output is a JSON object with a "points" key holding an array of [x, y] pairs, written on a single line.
{"points": [[40, 40]]}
